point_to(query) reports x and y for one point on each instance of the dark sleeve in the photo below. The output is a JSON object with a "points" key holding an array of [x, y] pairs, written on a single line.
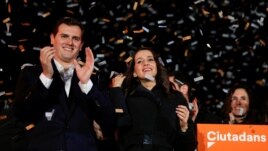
{"points": [[186, 141], [104, 111], [120, 106], [31, 96]]}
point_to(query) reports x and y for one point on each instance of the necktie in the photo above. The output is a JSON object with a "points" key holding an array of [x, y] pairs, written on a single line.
{"points": [[66, 74]]}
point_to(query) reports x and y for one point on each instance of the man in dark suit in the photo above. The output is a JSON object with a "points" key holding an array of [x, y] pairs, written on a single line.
{"points": [[62, 107]]}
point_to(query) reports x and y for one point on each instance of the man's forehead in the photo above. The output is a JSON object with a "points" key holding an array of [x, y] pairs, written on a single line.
{"points": [[63, 28]]}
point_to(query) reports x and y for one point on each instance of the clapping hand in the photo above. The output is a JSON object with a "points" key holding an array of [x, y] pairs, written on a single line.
{"points": [[84, 72]]}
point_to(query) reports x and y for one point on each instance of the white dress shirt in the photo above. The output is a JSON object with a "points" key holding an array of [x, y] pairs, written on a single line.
{"points": [[85, 88]]}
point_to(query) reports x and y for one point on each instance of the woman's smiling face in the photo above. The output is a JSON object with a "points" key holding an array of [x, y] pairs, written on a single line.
{"points": [[240, 102], [145, 64]]}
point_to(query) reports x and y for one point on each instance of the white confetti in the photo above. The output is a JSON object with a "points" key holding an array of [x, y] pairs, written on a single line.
{"points": [[102, 63], [170, 42], [37, 48], [145, 29], [169, 60], [198, 78], [100, 55], [241, 111], [149, 77]]}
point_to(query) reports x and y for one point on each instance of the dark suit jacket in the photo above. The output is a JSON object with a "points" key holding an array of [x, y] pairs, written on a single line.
{"points": [[71, 125]]}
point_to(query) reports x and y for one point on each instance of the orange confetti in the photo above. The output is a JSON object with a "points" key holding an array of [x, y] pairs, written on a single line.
{"points": [[122, 53], [69, 11], [112, 39], [9, 8], [143, 14], [6, 20], [221, 72], [262, 42], [153, 38], [127, 17], [30, 126], [81, 62], [186, 38], [21, 47], [3, 117], [135, 6], [22, 40], [9, 93], [260, 82], [106, 20], [46, 14], [205, 12], [125, 31], [246, 26], [119, 110], [142, 2], [119, 41], [25, 24], [186, 52], [128, 59], [138, 31]]}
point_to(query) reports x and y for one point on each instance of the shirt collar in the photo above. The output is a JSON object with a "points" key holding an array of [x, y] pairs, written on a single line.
{"points": [[61, 68]]}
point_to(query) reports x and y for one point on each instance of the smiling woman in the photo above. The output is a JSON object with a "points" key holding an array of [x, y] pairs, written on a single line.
{"points": [[152, 116], [238, 107]]}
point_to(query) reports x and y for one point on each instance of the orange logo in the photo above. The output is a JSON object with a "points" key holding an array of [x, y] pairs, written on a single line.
{"points": [[222, 137]]}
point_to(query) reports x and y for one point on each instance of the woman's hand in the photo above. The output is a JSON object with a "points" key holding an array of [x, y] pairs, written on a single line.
{"points": [[117, 81], [195, 109], [183, 115]]}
